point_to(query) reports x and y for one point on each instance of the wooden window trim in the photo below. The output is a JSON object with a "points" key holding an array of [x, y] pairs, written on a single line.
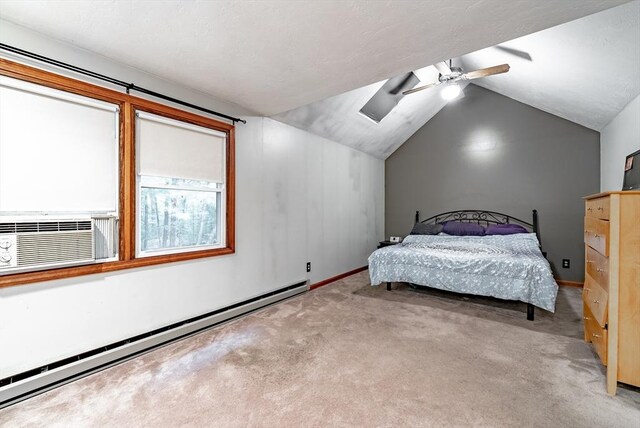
{"points": [[127, 195]]}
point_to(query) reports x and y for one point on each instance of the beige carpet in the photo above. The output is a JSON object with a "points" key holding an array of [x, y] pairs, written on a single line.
{"points": [[351, 355]]}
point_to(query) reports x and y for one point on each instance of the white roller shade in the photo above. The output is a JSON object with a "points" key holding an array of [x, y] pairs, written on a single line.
{"points": [[58, 151], [169, 148]]}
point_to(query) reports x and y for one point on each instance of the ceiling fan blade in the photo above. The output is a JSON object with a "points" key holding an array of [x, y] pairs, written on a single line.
{"points": [[443, 68], [484, 72], [420, 88]]}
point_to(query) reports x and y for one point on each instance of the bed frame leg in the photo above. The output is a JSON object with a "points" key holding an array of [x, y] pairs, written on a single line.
{"points": [[388, 286], [530, 311]]}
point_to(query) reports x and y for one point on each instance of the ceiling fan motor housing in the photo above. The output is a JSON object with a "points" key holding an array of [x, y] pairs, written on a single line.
{"points": [[456, 72]]}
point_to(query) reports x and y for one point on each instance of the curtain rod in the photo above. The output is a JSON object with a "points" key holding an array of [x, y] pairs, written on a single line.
{"points": [[127, 86]]}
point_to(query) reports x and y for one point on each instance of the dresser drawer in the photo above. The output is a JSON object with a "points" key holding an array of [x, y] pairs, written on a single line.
{"points": [[596, 234], [596, 298], [597, 267], [595, 334], [597, 208]]}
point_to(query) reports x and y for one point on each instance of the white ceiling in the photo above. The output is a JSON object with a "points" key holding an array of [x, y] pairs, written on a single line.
{"points": [[273, 56], [585, 71]]}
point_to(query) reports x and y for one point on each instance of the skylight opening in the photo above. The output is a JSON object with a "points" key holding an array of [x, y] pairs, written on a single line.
{"points": [[388, 96]]}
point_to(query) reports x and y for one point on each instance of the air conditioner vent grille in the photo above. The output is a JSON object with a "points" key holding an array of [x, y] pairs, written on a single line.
{"points": [[55, 247], [105, 236], [7, 228], [26, 227], [48, 227], [45, 226]]}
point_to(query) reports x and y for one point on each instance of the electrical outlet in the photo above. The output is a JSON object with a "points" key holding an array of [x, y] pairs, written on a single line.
{"points": [[308, 266], [566, 263]]}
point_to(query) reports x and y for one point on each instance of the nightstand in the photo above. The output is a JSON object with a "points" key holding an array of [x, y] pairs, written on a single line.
{"points": [[383, 244]]}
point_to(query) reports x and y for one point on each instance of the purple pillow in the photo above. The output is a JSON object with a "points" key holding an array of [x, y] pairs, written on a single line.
{"points": [[505, 229], [459, 228]]}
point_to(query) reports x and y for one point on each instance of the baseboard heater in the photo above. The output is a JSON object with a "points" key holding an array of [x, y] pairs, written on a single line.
{"points": [[33, 382]]}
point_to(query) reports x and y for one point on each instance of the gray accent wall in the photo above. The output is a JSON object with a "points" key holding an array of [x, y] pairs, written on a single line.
{"points": [[487, 151]]}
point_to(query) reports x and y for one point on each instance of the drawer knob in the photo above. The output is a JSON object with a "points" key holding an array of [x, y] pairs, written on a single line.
{"points": [[596, 302], [595, 335], [589, 261], [589, 209], [586, 318], [595, 235], [599, 208], [599, 270]]}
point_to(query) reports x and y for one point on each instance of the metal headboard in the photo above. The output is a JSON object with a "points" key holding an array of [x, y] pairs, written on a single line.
{"points": [[482, 217]]}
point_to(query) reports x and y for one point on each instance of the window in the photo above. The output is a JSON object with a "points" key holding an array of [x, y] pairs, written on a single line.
{"points": [[157, 184], [178, 214], [181, 183]]}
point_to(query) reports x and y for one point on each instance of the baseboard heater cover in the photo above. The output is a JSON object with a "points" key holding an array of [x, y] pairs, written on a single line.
{"points": [[45, 378]]}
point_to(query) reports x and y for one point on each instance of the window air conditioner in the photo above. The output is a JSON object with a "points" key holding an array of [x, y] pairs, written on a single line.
{"points": [[46, 243]]}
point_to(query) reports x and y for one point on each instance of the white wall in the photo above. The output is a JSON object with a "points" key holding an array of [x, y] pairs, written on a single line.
{"points": [[343, 193], [618, 139], [299, 198]]}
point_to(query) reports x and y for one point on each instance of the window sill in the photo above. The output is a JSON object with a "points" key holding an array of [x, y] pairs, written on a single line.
{"points": [[75, 271]]}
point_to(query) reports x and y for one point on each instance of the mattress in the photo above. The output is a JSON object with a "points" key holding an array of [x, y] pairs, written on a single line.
{"points": [[509, 267]]}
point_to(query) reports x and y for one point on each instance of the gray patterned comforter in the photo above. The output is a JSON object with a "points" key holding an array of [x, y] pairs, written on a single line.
{"points": [[507, 267]]}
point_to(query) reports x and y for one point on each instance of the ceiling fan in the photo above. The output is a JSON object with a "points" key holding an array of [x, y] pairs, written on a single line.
{"points": [[449, 74]]}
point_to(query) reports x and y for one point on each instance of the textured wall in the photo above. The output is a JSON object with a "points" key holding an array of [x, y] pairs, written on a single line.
{"points": [[323, 202], [618, 139], [299, 198], [490, 152]]}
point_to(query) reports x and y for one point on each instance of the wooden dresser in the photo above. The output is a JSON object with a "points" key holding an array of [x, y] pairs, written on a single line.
{"points": [[611, 292]]}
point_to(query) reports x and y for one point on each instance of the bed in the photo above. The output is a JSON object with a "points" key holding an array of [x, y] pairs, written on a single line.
{"points": [[509, 267]]}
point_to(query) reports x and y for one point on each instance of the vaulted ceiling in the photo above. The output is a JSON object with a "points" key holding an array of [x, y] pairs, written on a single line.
{"points": [[337, 118], [585, 71], [273, 56]]}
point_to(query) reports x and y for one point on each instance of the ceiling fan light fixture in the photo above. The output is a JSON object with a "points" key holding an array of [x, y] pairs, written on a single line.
{"points": [[451, 92]]}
